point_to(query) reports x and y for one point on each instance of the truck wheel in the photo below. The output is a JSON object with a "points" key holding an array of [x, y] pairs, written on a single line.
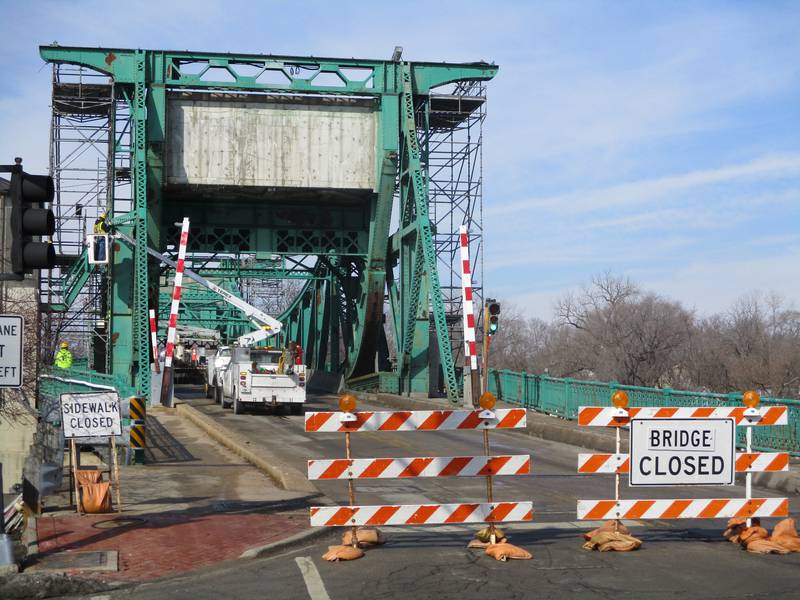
{"points": [[217, 394], [237, 407], [296, 408]]}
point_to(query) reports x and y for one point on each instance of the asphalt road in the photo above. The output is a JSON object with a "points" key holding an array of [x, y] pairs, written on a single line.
{"points": [[677, 557]]}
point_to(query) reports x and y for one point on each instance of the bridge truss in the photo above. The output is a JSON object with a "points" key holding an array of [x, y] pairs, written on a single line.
{"points": [[356, 266]]}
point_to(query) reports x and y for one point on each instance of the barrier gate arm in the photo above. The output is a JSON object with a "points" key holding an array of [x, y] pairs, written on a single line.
{"points": [[267, 326]]}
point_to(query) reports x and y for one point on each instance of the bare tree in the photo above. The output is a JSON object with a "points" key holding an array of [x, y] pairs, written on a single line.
{"points": [[520, 341], [621, 333], [612, 330], [755, 345]]}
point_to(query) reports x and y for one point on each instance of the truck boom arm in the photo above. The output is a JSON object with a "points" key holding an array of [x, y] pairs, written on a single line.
{"points": [[267, 326]]}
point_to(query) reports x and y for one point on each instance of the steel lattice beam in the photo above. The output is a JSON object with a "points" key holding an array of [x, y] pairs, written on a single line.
{"points": [[341, 306]]}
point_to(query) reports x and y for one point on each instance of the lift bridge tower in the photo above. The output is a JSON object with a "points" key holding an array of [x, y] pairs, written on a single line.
{"points": [[347, 177]]}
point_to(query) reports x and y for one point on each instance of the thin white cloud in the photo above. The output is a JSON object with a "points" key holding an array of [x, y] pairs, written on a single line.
{"points": [[713, 286], [638, 192]]}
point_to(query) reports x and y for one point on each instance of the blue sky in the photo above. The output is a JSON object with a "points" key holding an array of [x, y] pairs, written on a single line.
{"points": [[659, 140]]}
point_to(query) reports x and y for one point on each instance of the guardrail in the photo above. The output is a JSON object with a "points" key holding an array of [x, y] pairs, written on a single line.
{"points": [[562, 397], [80, 380], [53, 382]]}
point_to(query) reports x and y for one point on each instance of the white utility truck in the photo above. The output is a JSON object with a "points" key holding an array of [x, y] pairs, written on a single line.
{"points": [[244, 375], [263, 377], [216, 364]]}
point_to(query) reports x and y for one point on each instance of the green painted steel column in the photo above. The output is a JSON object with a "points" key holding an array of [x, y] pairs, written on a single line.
{"points": [[120, 350], [140, 358]]}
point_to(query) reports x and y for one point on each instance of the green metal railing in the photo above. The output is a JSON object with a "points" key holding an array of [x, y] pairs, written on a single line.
{"points": [[562, 397], [53, 388]]}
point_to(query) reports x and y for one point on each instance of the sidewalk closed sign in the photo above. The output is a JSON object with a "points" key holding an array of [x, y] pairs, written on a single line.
{"points": [[682, 452], [11, 327], [90, 415]]}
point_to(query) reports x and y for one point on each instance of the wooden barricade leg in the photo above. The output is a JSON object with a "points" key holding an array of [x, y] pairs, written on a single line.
{"points": [[74, 459], [115, 468]]}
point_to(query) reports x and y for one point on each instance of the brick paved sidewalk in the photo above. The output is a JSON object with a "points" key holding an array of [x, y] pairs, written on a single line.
{"points": [[167, 543], [193, 505]]}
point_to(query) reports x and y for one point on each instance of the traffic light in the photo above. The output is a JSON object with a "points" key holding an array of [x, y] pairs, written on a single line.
{"points": [[28, 219], [493, 306]]}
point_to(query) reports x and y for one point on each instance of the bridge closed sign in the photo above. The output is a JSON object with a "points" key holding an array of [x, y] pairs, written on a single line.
{"points": [[90, 415], [11, 327], [682, 452]]}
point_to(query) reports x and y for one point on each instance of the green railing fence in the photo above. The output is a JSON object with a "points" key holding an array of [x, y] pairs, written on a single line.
{"points": [[56, 387], [562, 397]]}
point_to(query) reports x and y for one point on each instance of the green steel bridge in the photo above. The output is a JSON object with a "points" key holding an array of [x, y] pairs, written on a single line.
{"points": [[366, 258]]}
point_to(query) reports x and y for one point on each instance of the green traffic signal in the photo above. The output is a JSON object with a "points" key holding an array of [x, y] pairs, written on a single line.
{"points": [[493, 308]]}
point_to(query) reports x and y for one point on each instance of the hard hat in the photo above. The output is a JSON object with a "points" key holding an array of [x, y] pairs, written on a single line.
{"points": [[64, 345]]}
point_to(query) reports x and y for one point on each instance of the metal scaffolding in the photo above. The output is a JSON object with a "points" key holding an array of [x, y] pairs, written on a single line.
{"points": [[81, 154], [451, 134], [340, 242]]}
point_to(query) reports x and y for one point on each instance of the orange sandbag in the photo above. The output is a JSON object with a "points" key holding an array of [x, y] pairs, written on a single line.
{"points": [[610, 541], [96, 497], [792, 544], [753, 533], [84, 476], [736, 526], [366, 536], [762, 546], [506, 551], [607, 526], [786, 527], [785, 535], [337, 553]]}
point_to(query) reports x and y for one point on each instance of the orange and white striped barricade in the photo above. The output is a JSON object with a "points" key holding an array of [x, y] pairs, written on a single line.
{"points": [[349, 421], [687, 460]]}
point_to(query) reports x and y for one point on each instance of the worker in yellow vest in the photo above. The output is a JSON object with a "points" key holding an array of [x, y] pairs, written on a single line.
{"points": [[64, 357]]}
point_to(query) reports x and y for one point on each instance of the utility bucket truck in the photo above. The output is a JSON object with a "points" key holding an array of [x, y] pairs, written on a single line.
{"points": [[245, 375], [263, 377]]}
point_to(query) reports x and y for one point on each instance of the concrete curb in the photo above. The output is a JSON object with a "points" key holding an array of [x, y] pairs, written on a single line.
{"points": [[295, 540], [284, 476], [555, 429], [781, 481]]}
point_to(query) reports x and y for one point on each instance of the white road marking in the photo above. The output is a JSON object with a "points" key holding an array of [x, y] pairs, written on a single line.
{"points": [[316, 589]]}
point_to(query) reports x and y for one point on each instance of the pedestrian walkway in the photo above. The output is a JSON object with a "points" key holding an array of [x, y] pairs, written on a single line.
{"points": [[193, 504]]}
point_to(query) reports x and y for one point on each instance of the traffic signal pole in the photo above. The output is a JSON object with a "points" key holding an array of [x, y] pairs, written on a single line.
{"points": [[491, 319], [486, 343]]}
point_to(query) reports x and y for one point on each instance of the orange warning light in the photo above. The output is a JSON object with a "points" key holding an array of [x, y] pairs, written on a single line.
{"points": [[751, 399], [487, 401], [620, 399], [347, 403]]}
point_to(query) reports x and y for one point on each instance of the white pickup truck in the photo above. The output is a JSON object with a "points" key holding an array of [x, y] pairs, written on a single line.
{"points": [[215, 367], [258, 377]]}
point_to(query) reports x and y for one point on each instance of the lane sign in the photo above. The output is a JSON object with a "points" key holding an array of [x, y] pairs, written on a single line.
{"points": [[91, 415], [666, 452], [11, 331]]}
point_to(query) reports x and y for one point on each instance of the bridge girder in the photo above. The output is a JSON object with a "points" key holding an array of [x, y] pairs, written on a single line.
{"points": [[341, 308]]}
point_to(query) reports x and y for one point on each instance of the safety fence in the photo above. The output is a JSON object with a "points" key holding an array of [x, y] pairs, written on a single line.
{"points": [[75, 380], [54, 382], [563, 397]]}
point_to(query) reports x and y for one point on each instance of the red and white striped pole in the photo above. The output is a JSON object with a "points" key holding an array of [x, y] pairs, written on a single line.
{"points": [[154, 340], [166, 380], [470, 346]]}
